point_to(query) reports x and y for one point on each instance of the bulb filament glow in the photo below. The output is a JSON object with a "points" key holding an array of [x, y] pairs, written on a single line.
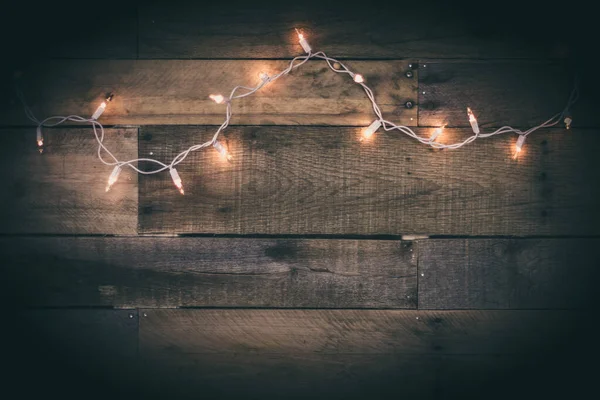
{"points": [[305, 46], [113, 177], [370, 130], [100, 110], [222, 150], [176, 180], [473, 121], [436, 133], [217, 98], [519, 146], [39, 138], [358, 78]]}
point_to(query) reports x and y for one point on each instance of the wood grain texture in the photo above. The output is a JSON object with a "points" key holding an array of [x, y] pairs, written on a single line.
{"points": [[176, 92], [62, 190], [306, 332], [297, 376], [359, 354], [209, 272], [359, 376], [519, 94], [508, 273], [325, 181], [391, 30], [95, 349]]}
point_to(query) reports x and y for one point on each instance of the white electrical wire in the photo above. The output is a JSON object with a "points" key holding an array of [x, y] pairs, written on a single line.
{"points": [[247, 91]]}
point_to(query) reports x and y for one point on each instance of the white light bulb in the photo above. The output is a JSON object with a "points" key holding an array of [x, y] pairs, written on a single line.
{"points": [[263, 76], [102, 107], [176, 180], [436, 133], [303, 42], [221, 149], [519, 145], [473, 121], [113, 177], [217, 98], [358, 78], [568, 121], [39, 138], [370, 130]]}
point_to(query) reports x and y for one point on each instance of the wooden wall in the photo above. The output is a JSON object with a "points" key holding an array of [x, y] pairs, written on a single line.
{"points": [[315, 265]]}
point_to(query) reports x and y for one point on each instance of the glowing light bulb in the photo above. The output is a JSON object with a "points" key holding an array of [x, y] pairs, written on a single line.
{"points": [[519, 145], [303, 42], [113, 177], [176, 180], [217, 98], [436, 133], [102, 107], [568, 121], [358, 78], [263, 76], [221, 149], [370, 130], [39, 138], [473, 121]]}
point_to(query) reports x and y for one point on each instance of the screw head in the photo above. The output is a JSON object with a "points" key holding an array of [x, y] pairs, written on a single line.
{"points": [[409, 74], [409, 104]]}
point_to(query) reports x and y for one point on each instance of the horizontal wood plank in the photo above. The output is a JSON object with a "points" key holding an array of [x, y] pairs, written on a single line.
{"points": [[352, 353], [292, 180], [295, 376], [62, 190], [209, 272], [176, 92], [94, 348], [519, 94], [385, 30], [356, 376], [508, 273], [307, 332]]}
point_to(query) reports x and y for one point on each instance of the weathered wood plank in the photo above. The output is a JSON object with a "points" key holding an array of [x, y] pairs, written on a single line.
{"points": [[209, 272], [295, 376], [62, 190], [61, 30], [93, 348], [354, 376], [347, 353], [500, 93], [176, 92], [307, 332], [390, 30], [508, 273], [303, 180]]}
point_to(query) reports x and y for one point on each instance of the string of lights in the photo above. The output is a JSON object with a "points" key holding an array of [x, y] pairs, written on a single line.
{"points": [[244, 91]]}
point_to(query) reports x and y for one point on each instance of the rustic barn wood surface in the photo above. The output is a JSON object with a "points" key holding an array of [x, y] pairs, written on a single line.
{"points": [[314, 265]]}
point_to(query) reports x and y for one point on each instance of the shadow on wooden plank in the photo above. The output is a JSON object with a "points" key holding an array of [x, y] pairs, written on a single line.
{"points": [[208, 272], [62, 190], [70, 353], [508, 273], [358, 354], [369, 30]]}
